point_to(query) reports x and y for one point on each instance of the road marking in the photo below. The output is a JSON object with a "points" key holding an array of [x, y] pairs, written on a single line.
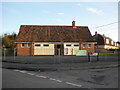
{"points": [[55, 79], [73, 84], [41, 76], [52, 79], [22, 71], [58, 80], [49, 78], [30, 73]]}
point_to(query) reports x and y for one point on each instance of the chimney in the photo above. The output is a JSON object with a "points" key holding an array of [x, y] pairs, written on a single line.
{"points": [[73, 24], [96, 33]]}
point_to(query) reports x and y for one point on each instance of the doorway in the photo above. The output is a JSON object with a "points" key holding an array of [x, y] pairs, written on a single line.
{"points": [[59, 49]]}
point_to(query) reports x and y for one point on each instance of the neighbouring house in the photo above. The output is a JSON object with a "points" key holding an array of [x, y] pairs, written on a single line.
{"points": [[53, 40], [104, 43]]}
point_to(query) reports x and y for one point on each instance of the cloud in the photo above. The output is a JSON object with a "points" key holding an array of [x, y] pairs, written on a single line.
{"points": [[96, 11], [60, 13]]}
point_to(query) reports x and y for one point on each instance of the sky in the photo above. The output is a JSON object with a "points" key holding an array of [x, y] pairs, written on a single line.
{"points": [[91, 14]]}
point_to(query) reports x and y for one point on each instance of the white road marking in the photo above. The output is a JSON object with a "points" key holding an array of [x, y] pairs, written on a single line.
{"points": [[49, 78], [22, 71], [73, 84], [52, 79], [55, 79], [58, 80], [30, 73], [41, 76]]}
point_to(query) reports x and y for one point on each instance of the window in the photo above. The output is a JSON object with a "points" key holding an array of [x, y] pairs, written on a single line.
{"points": [[68, 45], [22, 45], [117, 44], [28, 45], [112, 42], [76, 45], [37, 45], [107, 41], [89, 45], [84, 46], [46, 45]]}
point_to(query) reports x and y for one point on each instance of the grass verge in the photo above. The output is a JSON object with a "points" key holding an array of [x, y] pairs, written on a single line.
{"points": [[102, 54]]}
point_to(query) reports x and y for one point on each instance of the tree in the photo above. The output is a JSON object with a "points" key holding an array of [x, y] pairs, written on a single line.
{"points": [[9, 40]]}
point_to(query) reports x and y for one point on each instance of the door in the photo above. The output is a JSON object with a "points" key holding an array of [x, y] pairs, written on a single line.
{"points": [[59, 49]]}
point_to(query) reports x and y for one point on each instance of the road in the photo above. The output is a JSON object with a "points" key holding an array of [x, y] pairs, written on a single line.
{"points": [[94, 78], [19, 79]]}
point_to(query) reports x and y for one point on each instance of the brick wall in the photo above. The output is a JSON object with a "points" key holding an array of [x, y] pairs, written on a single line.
{"points": [[89, 50], [25, 51]]}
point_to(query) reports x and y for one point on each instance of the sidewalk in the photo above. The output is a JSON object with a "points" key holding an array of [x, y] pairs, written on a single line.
{"points": [[62, 66]]}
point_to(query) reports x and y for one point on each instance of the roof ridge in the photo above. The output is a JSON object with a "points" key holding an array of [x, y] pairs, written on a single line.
{"points": [[54, 25]]}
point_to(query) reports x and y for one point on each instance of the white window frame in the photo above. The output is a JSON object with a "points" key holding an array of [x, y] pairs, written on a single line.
{"points": [[46, 44], [117, 44], [107, 41], [37, 44], [76, 45], [112, 42], [28, 45], [22, 45], [83, 45], [89, 45], [68, 44]]}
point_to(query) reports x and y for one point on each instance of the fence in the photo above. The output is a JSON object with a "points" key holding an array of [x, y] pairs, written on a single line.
{"points": [[47, 57]]}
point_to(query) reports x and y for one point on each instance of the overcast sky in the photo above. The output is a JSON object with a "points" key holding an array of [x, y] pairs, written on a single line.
{"points": [[91, 14]]}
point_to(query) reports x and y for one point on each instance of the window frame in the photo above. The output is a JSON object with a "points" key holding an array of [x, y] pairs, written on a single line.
{"points": [[22, 45], [76, 45], [89, 45], [46, 45], [112, 42], [28, 45], [68, 45], [84, 45], [37, 45], [107, 41]]}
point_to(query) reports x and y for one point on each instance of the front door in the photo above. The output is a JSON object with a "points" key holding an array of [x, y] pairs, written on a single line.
{"points": [[59, 48]]}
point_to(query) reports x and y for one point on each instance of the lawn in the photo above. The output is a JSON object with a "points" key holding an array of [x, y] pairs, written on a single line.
{"points": [[109, 54]]}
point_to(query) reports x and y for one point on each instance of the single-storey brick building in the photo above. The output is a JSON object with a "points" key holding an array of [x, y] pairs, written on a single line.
{"points": [[53, 39]]}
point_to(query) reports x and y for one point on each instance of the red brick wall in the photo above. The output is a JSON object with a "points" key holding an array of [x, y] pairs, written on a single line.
{"points": [[92, 49], [24, 51]]}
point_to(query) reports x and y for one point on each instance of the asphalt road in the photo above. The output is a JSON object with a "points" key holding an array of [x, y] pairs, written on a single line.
{"points": [[94, 78], [17, 79]]}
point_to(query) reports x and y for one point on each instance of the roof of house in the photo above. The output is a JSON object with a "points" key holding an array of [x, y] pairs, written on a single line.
{"points": [[49, 33]]}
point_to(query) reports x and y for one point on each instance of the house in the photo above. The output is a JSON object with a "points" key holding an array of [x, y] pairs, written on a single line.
{"points": [[104, 43], [53, 40]]}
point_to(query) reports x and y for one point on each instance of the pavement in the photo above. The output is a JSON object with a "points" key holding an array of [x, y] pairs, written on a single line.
{"points": [[63, 66]]}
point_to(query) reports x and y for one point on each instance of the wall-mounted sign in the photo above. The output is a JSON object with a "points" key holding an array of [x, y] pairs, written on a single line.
{"points": [[81, 53]]}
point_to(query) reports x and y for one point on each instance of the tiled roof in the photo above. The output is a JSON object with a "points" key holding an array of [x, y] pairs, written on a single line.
{"points": [[47, 33]]}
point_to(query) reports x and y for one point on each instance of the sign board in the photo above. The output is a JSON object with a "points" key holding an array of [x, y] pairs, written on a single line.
{"points": [[81, 53], [94, 54]]}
